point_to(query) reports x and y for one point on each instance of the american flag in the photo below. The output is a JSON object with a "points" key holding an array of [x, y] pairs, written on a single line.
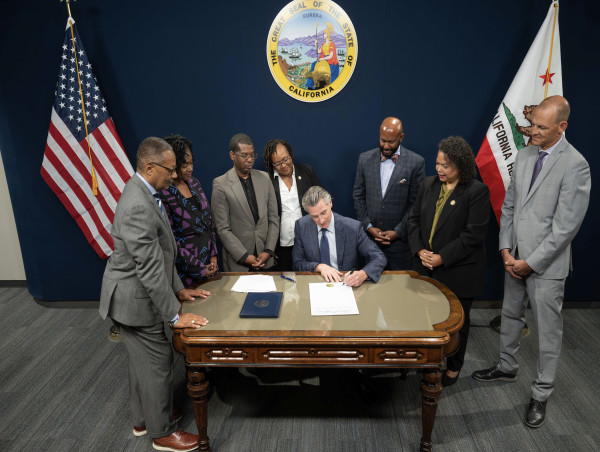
{"points": [[66, 167]]}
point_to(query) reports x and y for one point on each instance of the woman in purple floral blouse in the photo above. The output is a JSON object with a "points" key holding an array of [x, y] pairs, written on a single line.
{"points": [[191, 220]]}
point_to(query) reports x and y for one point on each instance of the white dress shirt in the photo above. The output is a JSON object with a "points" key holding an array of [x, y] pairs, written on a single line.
{"points": [[549, 150], [290, 210]]}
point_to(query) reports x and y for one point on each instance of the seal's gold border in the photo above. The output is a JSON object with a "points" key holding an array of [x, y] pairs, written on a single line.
{"points": [[297, 7]]}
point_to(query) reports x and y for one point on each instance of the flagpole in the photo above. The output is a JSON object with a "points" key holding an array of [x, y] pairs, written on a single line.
{"points": [[551, 48], [87, 136], [68, 2]]}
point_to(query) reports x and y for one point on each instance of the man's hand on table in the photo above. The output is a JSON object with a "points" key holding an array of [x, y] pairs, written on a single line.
{"points": [[329, 273], [356, 278], [189, 320], [192, 294]]}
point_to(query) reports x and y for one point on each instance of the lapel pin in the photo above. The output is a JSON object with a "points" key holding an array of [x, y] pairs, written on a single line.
{"points": [[299, 177], [452, 202]]}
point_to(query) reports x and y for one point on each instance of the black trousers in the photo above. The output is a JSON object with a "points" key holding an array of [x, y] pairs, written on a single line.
{"points": [[456, 361], [284, 258]]}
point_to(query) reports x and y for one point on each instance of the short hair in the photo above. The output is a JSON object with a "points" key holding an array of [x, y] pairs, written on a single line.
{"points": [[237, 139], [179, 145], [271, 148], [313, 195], [460, 154], [151, 149]]}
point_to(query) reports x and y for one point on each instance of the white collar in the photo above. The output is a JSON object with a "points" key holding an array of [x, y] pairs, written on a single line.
{"points": [[146, 183]]}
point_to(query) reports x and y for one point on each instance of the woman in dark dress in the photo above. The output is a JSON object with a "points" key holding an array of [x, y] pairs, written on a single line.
{"points": [[191, 220], [290, 181], [446, 233]]}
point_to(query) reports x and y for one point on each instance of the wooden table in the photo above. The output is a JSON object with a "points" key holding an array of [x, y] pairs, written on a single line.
{"points": [[405, 321]]}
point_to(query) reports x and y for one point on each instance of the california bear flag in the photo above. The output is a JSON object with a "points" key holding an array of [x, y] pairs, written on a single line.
{"points": [[539, 76]]}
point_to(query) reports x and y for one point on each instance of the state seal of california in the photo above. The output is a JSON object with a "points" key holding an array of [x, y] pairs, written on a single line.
{"points": [[312, 49]]}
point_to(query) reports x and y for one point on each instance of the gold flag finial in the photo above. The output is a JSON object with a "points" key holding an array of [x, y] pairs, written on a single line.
{"points": [[68, 2]]}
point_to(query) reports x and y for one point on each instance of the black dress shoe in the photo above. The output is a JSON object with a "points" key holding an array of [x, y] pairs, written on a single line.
{"points": [[493, 374], [536, 413], [449, 381]]}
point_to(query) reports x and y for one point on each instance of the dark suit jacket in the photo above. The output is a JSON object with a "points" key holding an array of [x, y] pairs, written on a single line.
{"points": [[140, 280], [305, 178], [459, 235], [390, 211], [351, 243]]}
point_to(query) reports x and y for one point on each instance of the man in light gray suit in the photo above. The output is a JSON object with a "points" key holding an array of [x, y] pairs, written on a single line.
{"points": [[244, 209], [329, 243], [141, 290], [544, 206], [385, 188]]}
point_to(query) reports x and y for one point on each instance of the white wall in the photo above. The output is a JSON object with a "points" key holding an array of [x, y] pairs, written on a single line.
{"points": [[11, 260]]}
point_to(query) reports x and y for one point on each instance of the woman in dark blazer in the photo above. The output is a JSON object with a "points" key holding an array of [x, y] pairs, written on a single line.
{"points": [[290, 181], [456, 207]]}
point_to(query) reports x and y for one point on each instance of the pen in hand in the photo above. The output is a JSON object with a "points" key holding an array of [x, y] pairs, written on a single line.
{"points": [[348, 274]]}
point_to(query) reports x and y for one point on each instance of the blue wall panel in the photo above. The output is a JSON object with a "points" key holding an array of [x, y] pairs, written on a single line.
{"points": [[200, 69]]}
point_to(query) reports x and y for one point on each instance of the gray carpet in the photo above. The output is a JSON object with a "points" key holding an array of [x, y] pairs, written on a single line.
{"points": [[63, 387]]}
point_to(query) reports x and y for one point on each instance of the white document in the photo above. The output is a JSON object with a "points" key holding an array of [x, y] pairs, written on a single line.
{"points": [[332, 299], [254, 283]]}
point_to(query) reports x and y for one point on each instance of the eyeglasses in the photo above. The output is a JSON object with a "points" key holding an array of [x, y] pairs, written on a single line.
{"points": [[170, 170], [285, 160], [246, 156]]}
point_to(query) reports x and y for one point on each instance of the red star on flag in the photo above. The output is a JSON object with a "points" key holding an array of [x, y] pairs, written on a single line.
{"points": [[547, 77]]}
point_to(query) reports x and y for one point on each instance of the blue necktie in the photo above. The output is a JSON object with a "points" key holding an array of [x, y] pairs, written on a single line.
{"points": [[538, 167], [160, 206], [324, 248]]}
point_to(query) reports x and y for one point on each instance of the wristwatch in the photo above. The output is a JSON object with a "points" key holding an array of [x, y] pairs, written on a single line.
{"points": [[174, 321]]}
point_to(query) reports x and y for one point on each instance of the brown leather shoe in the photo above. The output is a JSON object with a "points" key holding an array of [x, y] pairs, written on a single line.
{"points": [[178, 441], [141, 430]]}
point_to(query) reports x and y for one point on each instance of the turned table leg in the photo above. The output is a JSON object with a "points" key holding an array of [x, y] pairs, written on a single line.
{"points": [[198, 392], [431, 389]]}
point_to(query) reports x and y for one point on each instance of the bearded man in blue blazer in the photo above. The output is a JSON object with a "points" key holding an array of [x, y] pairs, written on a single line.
{"points": [[330, 244]]}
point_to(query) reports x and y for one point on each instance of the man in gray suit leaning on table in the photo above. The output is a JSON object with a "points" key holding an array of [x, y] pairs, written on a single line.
{"points": [[244, 209], [141, 290], [543, 209], [385, 188], [329, 243]]}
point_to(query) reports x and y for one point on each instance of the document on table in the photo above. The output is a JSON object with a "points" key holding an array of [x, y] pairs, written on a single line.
{"points": [[254, 283], [332, 299]]}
